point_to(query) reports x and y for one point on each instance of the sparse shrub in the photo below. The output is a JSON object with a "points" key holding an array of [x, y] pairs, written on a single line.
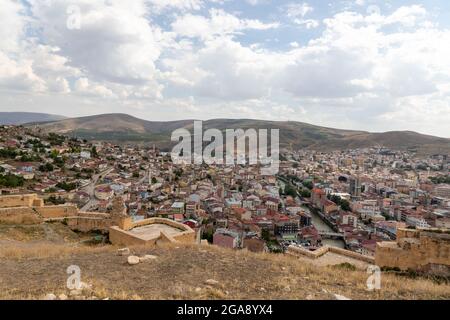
{"points": [[345, 266]]}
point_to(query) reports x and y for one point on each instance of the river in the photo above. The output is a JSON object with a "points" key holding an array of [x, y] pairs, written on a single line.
{"points": [[320, 225]]}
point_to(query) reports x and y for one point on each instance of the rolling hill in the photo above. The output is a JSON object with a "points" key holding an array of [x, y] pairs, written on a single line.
{"points": [[125, 128], [18, 118]]}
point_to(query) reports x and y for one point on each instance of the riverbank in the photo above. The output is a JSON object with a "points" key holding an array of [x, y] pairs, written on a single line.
{"points": [[322, 225]]}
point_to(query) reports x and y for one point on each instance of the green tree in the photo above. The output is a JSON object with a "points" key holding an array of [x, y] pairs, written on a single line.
{"points": [[345, 205], [11, 181], [305, 193], [290, 191], [94, 152], [48, 167], [66, 186], [308, 184]]}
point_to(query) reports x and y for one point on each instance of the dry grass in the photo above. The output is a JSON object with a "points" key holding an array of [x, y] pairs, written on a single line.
{"points": [[50, 232], [48, 250], [180, 272]]}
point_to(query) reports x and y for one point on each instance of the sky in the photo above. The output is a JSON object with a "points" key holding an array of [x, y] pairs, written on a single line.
{"points": [[354, 64]]}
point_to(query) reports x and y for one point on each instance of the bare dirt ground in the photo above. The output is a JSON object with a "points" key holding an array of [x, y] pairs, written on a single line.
{"points": [[181, 272]]}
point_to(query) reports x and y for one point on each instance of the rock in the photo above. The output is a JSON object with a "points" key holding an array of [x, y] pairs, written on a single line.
{"points": [[147, 257], [50, 296], [75, 293], [106, 299], [198, 289], [123, 252], [262, 289], [212, 282], [62, 296], [287, 288], [310, 297], [339, 297], [132, 260]]}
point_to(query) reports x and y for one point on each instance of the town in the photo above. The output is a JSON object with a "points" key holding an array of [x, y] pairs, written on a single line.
{"points": [[349, 199]]}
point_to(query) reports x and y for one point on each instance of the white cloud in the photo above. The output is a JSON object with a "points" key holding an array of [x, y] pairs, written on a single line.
{"points": [[159, 6], [219, 23], [308, 23], [363, 70], [298, 10], [115, 42]]}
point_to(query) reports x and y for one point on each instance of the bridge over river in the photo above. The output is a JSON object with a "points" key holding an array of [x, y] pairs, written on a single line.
{"points": [[331, 235]]}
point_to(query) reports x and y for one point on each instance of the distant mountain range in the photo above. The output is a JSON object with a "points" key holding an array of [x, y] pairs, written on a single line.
{"points": [[18, 118], [125, 128]]}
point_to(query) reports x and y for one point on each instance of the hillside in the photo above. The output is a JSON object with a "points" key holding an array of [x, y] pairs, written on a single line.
{"points": [[33, 270], [18, 118], [125, 128]]}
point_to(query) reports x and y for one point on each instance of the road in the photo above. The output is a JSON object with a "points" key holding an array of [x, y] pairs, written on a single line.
{"points": [[89, 189]]}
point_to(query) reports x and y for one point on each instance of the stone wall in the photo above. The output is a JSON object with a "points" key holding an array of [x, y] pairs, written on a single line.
{"points": [[21, 200], [119, 236], [419, 250], [19, 215], [324, 250], [88, 224], [62, 211], [29, 209]]}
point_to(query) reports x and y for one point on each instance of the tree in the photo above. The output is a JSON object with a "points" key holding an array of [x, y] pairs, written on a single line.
{"points": [[48, 167], [290, 191], [308, 184], [66, 186], [8, 153], [345, 205], [94, 152], [265, 235], [305, 193], [11, 181], [55, 200], [208, 235]]}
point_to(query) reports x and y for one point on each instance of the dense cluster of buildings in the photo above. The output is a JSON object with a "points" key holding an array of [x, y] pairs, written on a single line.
{"points": [[363, 196]]}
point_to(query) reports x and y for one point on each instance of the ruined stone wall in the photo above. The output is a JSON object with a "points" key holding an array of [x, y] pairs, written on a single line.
{"points": [[417, 250], [324, 250], [120, 237], [185, 237], [21, 200], [19, 215], [62, 211], [88, 224], [408, 233]]}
